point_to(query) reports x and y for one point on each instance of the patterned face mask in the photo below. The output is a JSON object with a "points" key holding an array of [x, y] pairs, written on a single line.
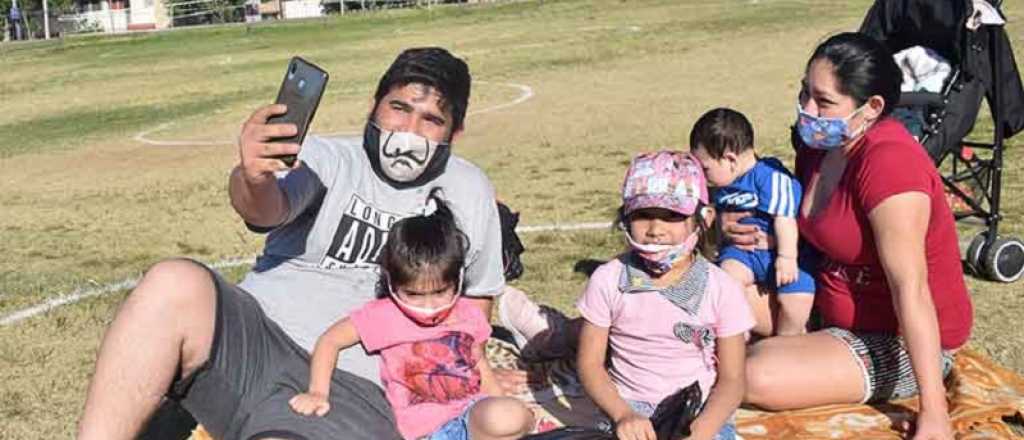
{"points": [[659, 258], [823, 133], [404, 156]]}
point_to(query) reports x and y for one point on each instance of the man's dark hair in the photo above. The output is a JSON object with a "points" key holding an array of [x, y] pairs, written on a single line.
{"points": [[721, 130], [434, 67]]}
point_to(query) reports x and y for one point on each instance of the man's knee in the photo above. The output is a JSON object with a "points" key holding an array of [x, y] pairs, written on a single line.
{"points": [[176, 283]]}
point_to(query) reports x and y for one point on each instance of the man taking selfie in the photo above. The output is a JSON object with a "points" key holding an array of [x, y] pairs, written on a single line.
{"points": [[233, 355]]}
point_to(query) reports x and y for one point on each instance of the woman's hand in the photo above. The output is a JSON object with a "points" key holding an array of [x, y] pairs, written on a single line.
{"points": [[634, 426], [745, 237], [933, 426], [309, 404]]}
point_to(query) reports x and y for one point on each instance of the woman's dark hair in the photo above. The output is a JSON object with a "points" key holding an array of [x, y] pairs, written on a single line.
{"points": [[434, 67], [721, 130], [707, 242], [863, 66], [421, 243]]}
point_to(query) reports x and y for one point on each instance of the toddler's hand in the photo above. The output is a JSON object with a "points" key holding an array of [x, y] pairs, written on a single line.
{"points": [[785, 270], [635, 427], [310, 404]]}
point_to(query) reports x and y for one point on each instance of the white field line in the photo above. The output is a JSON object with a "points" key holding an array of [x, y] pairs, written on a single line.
{"points": [[128, 283], [83, 293], [525, 93]]}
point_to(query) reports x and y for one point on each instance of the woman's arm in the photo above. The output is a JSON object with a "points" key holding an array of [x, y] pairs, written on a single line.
{"points": [[598, 385], [900, 225], [728, 391]]}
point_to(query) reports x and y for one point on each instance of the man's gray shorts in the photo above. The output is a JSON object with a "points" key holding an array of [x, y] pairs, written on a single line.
{"points": [[242, 391]]}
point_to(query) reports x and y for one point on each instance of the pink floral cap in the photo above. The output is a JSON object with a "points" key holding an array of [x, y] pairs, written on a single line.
{"points": [[672, 180]]}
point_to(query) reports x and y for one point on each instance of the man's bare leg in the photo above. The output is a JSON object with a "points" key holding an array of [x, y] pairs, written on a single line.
{"points": [[167, 321]]}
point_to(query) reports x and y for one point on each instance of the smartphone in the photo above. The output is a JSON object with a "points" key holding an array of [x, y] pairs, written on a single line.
{"points": [[301, 89]]}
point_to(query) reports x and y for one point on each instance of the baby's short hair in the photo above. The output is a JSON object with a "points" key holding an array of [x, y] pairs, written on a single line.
{"points": [[721, 130]]}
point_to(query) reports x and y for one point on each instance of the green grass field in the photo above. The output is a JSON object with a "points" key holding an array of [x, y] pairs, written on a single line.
{"points": [[86, 204]]}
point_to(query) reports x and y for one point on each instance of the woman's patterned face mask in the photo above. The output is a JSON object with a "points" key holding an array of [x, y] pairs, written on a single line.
{"points": [[824, 133]]}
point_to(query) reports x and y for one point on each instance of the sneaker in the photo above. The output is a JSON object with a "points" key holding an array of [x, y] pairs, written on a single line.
{"points": [[540, 332], [521, 316]]}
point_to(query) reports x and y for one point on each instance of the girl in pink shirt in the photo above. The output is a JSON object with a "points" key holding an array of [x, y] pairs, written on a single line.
{"points": [[433, 368], [660, 314]]}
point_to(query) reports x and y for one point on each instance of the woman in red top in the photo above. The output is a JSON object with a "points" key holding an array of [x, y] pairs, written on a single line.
{"points": [[890, 284]]}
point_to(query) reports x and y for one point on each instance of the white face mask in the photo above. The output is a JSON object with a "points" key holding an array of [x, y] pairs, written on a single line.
{"points": [[404, 155]]}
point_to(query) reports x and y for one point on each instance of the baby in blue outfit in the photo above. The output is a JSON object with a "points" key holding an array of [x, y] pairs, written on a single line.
{"points": [[723, 140]]}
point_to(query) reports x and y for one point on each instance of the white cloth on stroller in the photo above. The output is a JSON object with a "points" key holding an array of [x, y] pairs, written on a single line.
{"points": [[924, 70], [984, 13]]}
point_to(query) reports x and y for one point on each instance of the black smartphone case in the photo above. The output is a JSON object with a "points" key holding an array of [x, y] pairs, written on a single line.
{"points": [[301, 89]]}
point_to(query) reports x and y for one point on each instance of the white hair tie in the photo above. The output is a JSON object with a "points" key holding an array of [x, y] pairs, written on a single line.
{"points": [[429, 208]]}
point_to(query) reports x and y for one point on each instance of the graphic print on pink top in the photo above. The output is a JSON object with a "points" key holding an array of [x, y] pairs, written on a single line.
{"points": [[429, 373]]}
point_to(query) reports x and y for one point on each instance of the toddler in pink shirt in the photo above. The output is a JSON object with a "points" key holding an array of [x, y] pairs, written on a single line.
{"points": [[430, 341]]}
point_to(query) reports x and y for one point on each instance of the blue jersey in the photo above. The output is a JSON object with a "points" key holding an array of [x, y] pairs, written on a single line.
{"points": [[768, 190]]}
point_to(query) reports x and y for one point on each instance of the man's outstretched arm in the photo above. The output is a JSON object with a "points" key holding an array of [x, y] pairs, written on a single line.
{"points": [[253, 187]]}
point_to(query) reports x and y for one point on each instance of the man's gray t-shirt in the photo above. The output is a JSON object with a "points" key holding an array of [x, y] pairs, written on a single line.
{"points": [[321, 263]]}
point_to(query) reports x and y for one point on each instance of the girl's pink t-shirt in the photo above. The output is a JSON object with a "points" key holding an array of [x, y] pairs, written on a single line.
{"points": [[657, 347], [429, 374]]}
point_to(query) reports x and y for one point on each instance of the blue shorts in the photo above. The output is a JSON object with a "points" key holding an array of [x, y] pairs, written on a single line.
{"points": [[762, 263], [457, 428]]}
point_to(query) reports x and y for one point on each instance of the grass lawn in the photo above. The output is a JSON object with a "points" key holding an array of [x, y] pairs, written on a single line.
{"points": [[86, 203]]}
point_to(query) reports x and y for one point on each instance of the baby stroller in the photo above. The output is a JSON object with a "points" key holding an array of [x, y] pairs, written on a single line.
{"points": [[981, 66]]}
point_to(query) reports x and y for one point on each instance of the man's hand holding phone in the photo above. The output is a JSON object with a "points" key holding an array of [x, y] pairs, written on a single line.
{"points": [[259, 156]]}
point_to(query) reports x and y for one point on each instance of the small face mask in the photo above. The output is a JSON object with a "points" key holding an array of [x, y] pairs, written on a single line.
{"points": [[824, 133], [404, 155], [425, 316], [659, 258]]}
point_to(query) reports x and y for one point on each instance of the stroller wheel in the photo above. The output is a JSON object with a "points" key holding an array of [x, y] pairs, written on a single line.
{"points": [[973, 256], [1004, 260]]}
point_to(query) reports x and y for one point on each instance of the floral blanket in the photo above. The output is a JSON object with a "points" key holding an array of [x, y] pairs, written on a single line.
{"points": [[986, 401]]}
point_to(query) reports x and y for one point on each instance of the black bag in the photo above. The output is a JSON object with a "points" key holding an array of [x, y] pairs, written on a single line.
{"points": [[671, 420], [511, 247]]}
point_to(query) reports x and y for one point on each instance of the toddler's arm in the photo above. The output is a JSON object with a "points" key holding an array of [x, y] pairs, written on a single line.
{"points": [[786, 237], [728, 391], [338, 337], [598, 385]]}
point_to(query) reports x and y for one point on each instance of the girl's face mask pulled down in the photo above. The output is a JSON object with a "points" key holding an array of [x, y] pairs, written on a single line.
{"points": [[660, 254]]}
